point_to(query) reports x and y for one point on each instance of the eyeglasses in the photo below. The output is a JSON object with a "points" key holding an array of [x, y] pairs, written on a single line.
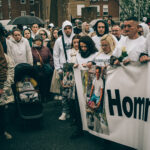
{"points": [[42, 34], [115, 30], [104, 45], [101, 27]]}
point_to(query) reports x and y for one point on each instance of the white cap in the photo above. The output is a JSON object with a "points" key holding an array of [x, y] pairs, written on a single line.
{"points": [[51, 25]]}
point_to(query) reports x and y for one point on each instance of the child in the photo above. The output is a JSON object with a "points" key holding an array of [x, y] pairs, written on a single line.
{"points": [[68, 85]]}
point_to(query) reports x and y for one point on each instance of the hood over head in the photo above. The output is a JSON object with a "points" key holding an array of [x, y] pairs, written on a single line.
{"points": [[66, 38], [145, 28], [83, 27]]}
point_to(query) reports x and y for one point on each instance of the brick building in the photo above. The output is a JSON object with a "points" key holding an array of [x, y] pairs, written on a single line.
{"points": [[10, 9], [71, 9], [46, 4]]}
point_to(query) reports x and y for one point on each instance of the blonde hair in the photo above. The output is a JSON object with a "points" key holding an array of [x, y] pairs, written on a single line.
{"points": [[112, 43]]}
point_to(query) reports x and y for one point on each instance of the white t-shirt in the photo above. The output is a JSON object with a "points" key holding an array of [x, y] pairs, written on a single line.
{"points": [[98, 85], [72, 55], [80, 60], [97, 42], [102, 59], [134, 47]]}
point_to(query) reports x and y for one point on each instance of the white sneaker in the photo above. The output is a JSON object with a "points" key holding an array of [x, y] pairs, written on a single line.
{"points": [[60, 98], [56, 97], [7, 136], [63, 116]]}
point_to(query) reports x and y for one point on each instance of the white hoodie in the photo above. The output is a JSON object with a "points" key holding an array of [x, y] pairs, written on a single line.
{"points": [[58, 52], [20, 51]]}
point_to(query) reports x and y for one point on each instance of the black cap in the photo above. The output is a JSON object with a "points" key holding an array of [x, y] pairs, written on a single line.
{"points": [[38, 37]]}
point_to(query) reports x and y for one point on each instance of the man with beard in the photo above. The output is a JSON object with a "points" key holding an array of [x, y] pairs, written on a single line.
{"points": [[61, 55], [101, 28], [59, 49]]}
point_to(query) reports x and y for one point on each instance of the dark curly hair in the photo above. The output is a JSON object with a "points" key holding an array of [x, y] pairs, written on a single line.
{"points": [[91, 49], [106, 27]]}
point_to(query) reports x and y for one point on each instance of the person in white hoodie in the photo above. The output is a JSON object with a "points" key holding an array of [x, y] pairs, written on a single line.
{"points": [[145, 29], [61, 53], [18, 48]]}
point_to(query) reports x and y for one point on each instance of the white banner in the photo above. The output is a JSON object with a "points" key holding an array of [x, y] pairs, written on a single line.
{"points": [[123, 116]]}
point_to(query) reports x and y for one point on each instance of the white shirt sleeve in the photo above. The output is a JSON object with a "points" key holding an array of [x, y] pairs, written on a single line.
{"points": [[56, 54], [29, 53]]}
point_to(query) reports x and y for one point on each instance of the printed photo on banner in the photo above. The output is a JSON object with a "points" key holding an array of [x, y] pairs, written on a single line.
{"points": [[93, 87], [68, 82]]}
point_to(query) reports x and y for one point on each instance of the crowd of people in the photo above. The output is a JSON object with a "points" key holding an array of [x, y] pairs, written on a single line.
{"points": [[80, 46]]}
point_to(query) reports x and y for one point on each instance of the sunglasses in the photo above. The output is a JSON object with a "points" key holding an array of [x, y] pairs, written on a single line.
{"points": [[42, 34]]}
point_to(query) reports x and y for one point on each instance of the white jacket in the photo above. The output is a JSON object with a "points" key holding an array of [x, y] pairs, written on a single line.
{"points": [[58, 52], [20, 51]]}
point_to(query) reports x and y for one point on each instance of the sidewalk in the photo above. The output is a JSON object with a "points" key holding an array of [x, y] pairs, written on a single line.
{"points": [[55, 135]]}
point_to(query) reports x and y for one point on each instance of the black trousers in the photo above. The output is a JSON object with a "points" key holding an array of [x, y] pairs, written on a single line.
{"points": [[77, 114], [2, 120]]}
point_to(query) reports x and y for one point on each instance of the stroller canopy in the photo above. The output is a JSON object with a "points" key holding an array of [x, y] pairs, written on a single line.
{"points": [[22, 70]]}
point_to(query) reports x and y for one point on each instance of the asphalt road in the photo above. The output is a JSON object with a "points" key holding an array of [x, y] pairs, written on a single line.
{"points": [[53, 135]]}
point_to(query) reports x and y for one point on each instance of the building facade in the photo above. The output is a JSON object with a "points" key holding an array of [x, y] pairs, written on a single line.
{"points": [[46, 5], [72, 9], [56, 11], [20, 8]]}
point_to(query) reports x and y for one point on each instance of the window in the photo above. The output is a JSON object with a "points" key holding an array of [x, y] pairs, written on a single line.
{"points": [[79, 9], [22, 1], [32, 2], [105, 0], [32, 13], [1, 15], [23, 13], [105, 10], [9, 3], [0, 3], [98, 9]]}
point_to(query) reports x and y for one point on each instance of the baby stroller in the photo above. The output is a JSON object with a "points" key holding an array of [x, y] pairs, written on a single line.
{"points": [[26, 92]]}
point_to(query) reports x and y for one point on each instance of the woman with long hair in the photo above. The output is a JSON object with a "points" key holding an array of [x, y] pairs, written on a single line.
{"points": [[87, 51], [27, 35]]}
